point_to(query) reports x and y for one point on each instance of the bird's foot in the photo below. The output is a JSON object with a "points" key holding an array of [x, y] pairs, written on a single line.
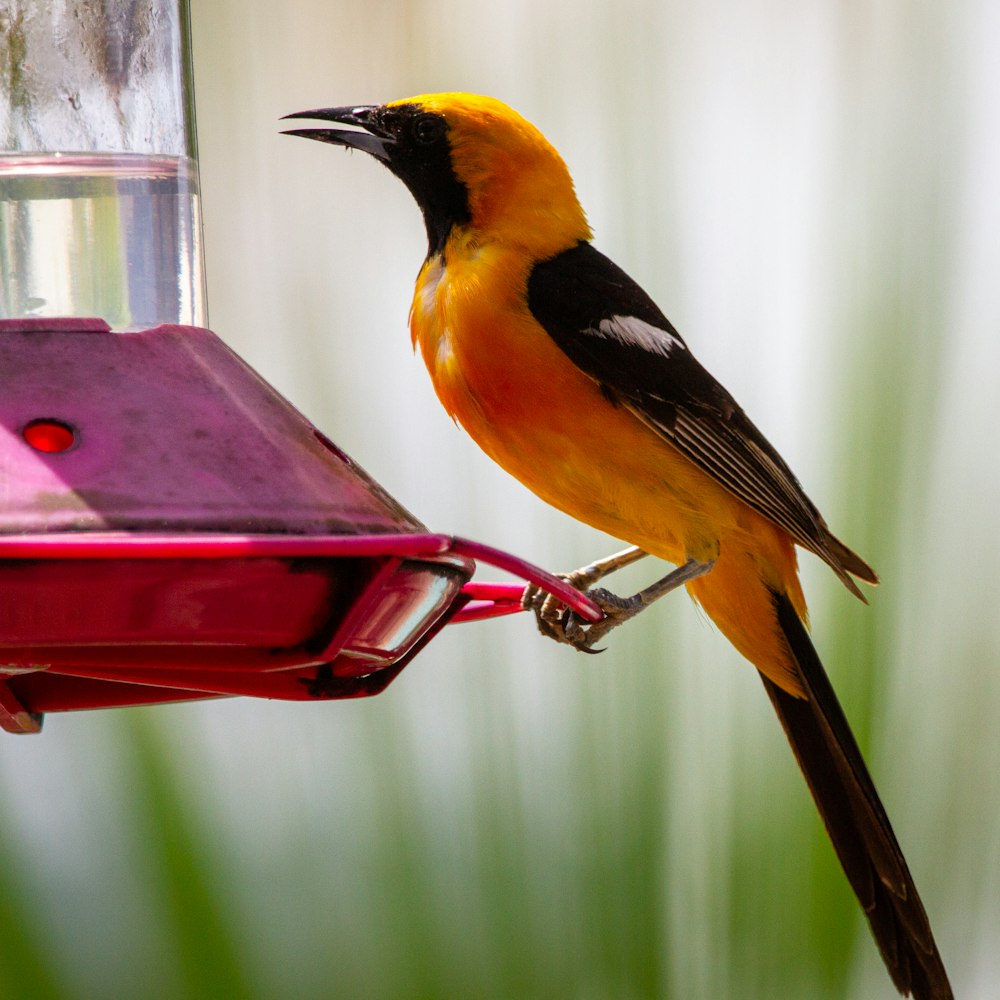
{"points": [[568, 627], [561, 624], [557, 622]]}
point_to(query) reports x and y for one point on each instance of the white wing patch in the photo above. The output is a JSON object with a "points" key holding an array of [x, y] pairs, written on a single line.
{"points": [[634, 332]]}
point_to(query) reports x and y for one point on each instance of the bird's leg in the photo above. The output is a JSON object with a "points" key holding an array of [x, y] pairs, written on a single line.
{"points": [[559, 623], [618, 610], [550, 613]]}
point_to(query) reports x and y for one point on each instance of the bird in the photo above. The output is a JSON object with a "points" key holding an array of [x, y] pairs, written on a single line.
{"points": [[567, 374]]}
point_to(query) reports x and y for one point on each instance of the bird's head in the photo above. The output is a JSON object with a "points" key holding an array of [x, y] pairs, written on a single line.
{"points": [[471, 163]]}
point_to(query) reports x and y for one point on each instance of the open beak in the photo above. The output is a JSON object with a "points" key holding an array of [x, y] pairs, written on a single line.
{"points": [[368, 141]]}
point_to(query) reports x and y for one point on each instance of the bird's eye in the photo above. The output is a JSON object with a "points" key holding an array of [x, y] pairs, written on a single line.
{"points": [[428, 129]]}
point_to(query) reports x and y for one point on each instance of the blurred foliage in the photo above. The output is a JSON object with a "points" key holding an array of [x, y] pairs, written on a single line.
{"points": [[810, 193]]}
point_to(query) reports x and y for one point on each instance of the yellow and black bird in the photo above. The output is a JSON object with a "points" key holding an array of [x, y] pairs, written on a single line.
{"points": [[568, 375]]}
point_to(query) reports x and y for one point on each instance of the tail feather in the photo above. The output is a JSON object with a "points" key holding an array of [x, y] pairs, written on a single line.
{"points": [[856, 820]]}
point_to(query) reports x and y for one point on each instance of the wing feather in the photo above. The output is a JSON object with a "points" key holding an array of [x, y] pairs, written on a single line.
{"points": [[614, 332]]}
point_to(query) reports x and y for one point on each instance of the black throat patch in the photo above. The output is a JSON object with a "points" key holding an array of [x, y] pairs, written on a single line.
{"points": [[421, 158]]}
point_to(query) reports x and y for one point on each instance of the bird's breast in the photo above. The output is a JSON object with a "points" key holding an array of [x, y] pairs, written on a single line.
{"points": [[506, 381], [496, 371]]}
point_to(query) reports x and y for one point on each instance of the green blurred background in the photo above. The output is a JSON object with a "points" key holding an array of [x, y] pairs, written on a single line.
{"points": [[811, 193]]}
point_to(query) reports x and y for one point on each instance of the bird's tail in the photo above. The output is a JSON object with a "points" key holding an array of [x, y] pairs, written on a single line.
{"points": [[855, 818]]}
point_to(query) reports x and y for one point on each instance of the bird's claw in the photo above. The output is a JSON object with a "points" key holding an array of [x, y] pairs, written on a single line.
{"points": [[558, 622], [561, 624]]}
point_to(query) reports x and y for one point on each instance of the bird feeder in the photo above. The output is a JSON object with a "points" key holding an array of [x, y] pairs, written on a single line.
{"points": [[172, 528]]}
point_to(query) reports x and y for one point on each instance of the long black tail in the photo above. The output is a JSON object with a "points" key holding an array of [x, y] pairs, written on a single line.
{"points": [[856, 821]]}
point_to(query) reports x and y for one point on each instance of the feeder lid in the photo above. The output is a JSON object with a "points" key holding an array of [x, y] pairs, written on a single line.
{"points": [[164, 429]]}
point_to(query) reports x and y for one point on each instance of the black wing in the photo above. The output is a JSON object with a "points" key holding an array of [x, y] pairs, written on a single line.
{"points": [[611, 329]]}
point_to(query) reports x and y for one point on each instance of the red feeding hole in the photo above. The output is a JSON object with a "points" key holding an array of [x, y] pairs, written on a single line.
{"points": [[49, 435]]}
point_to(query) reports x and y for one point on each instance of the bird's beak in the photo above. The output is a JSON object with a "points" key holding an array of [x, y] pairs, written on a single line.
{"points": [[369, 141]]}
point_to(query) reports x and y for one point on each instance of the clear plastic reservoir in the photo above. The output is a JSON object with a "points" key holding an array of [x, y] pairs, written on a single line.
{"points": [[100, 212], [115, 235]]}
